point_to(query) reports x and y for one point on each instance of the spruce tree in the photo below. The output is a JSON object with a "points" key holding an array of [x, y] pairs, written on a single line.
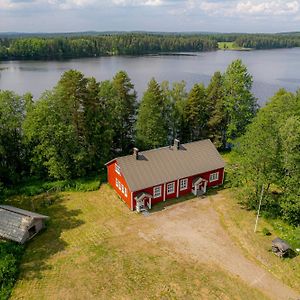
{"points": [[196, 113], [217, 115], [152, 125], [124, 106]]}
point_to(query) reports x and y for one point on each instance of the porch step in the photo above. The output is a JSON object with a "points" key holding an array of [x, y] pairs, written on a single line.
{"points": [[200, 193], [146, 213]]}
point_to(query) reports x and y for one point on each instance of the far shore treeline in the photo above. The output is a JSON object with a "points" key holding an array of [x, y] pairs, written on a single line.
{"points": [[73, 129], [77, 45]]}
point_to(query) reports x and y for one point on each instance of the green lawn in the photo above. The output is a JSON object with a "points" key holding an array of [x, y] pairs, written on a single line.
{"points": [[257, 246], [91, 250], [230, 46]]}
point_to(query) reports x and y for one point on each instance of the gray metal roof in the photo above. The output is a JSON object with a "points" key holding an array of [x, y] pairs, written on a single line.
{"points": [[281, 244], [167, 164], [15, 222], [23, 212]]}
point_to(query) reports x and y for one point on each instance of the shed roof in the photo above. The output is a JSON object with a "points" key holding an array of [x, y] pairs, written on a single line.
{"points": [[23, 212], [166, 164], [15, 222], [281, 244]]}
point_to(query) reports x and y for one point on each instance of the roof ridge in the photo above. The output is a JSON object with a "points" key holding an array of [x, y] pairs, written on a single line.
{"points": [[160, 148]]}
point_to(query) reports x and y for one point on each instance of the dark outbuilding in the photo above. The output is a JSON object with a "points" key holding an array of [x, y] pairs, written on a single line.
{"points": [[19, 225], [280, 247]]}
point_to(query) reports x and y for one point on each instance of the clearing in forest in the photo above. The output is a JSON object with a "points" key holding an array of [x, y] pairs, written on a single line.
{"points": [[95, 248]]}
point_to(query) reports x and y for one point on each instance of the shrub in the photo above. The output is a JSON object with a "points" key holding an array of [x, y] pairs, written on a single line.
{"points": [[10, 257], [36, 187], [266, 231]]}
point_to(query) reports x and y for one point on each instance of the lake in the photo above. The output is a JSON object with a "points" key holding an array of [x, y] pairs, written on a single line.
{"points": [[271, 70]]}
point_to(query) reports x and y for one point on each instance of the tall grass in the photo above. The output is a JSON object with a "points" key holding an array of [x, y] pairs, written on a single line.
{"points": [[34, 186]]}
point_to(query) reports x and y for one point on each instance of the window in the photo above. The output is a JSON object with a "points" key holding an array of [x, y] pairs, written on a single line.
{"points": [[170, 188], [156, 191], [117, 169], [122, 188], [183, 184], [125, 192], [117, 182], [214, 177]]}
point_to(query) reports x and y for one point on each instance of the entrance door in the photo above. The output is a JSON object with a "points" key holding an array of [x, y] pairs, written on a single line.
{"points": [[202, 186], [148, 202]]}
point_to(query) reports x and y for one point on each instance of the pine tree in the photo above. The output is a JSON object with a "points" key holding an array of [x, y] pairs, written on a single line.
{"points": [[152, 126]]}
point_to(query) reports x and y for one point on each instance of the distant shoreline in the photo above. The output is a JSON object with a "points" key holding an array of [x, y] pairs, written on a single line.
{"points": [[71, 46]]}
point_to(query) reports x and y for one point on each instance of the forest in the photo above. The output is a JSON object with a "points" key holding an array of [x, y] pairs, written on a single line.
{"points": [[76, 45], [101, 45], [73, 129], [68, 134]]}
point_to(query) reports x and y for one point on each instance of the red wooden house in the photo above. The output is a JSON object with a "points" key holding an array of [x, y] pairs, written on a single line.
{"points": [[148, 177]]}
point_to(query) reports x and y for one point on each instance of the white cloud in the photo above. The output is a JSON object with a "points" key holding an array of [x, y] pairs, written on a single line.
{"points": [[138, 2], [71, 4], [273, 7], [256, 8]]}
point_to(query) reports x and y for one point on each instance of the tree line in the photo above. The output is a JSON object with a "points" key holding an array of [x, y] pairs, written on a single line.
{"points": [[267, 41], [93, 46], [59, 46], [73, 129], [80, 124]]}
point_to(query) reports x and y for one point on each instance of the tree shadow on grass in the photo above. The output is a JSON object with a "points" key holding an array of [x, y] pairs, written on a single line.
{"points": [[48, 242]]}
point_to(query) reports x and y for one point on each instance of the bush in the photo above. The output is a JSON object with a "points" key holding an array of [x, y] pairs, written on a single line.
{"points": [[36, 187], [10, 257], [266, 231]]}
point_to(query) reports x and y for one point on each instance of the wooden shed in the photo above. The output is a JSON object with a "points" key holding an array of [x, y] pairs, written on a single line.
{"points": [[19, 225], [280, 247]]}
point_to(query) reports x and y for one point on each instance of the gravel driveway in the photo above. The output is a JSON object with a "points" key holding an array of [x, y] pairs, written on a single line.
{"points": [[193, 229]]}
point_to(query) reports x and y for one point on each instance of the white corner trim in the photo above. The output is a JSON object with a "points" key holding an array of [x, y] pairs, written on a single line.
{"points": [[223, 176]]}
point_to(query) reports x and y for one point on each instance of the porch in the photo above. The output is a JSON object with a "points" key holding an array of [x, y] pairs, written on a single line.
{"points": [[143, 202], [199, 186]]}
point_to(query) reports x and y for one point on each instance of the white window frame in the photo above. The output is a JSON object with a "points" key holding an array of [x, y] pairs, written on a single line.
{"points": [[214, 177], [122, 188], [170, 185], [157, 191], [117, 182], [125, 192], [117, 169], [183, 183]]}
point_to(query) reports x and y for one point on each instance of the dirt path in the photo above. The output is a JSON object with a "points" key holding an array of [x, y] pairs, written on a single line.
{"points": [[193, 229]]}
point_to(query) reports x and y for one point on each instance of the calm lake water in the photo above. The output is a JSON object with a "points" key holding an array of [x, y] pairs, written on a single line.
{"points": [[271, 69]]}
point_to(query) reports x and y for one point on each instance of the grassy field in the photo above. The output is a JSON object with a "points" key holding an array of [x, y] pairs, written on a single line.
{"points": [[230, 46], [91, 250], [239, 223]]}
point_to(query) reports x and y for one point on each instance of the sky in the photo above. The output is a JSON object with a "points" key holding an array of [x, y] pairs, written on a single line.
{"points": [[150, 15]]}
